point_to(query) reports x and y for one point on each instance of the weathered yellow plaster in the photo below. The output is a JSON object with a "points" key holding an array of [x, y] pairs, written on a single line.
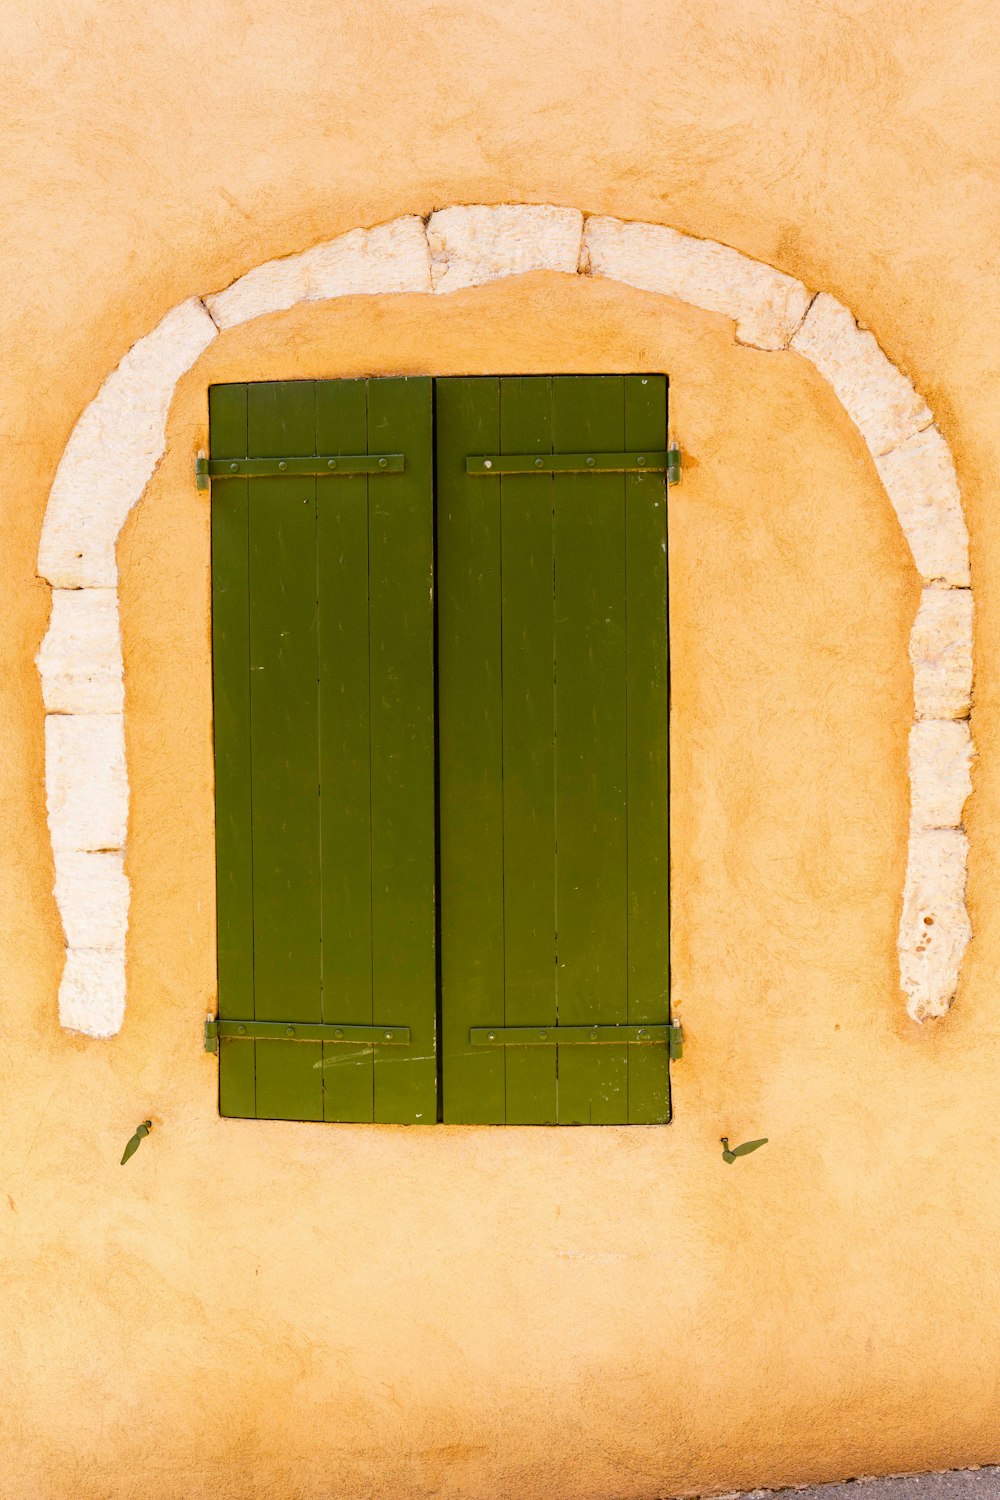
{"points": [[277, 1310]]}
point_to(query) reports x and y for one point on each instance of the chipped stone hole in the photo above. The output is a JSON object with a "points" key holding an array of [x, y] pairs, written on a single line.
{"points": [[121, 436]]}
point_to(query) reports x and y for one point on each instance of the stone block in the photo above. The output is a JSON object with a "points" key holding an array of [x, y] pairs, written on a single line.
{"points": [[766, 305], [391, 257], [935, 930], [113, 450], [92, 991], [80, 660], [920, 480], [92, 894], [878, 398], [471, 245], [941, 654], [85, 781], [941, 753]]}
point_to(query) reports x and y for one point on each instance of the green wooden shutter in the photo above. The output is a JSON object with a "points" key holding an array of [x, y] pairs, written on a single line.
{"points": [[324, 745], [553, 706]]}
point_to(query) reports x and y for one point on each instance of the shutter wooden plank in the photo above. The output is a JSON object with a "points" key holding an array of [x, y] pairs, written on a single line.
{"points": [[401, 624], [231, 724], [528, 750], [591, 864], [470, 750], [284, 749], [646, 682], [345, 750]]}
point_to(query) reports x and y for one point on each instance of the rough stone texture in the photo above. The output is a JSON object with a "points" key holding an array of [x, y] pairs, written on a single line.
{"points": [[934, 931], [920, 480], [941, 653], [476, 244], [958, 1484], [92, 992], [80, 660], [92, 894], [392, 257], [113, 450], [767, 305], [85, 780], [941, 754], [878, 398]]}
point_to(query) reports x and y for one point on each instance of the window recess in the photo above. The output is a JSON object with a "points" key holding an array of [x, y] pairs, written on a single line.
{"points": [[441, 702]]}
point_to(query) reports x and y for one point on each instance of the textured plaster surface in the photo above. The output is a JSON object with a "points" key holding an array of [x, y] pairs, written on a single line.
{"points": [[280, 1310]]}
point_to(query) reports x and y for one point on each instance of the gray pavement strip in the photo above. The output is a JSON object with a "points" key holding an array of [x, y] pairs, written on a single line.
{"points": [[957, 1484]]}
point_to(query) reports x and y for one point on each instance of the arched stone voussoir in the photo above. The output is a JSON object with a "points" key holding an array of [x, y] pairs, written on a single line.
{"points": [[766, 305], [120, 438], [476, 243], [391, 257], [114, 449], [879, 399]]}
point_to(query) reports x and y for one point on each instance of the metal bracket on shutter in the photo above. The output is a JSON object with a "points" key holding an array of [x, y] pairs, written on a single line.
{"points": [[301, 1031], [670, 1035], [335, 464], [569, 463]]}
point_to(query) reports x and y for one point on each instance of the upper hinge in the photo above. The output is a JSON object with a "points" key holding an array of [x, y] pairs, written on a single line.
{"points": [[336, 465], [669, 1034], [569, 463], [302, 1031], [666, 461]]}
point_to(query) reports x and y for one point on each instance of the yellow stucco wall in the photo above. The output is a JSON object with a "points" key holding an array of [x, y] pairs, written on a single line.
{"points": [[295, 1311]]}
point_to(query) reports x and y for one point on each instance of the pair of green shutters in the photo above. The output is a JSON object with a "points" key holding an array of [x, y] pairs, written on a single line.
{"points": [[441, 705]]}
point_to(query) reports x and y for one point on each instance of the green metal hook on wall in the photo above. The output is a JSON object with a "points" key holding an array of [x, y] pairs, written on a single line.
{"points": [[136, 1141], [744, 1150]]}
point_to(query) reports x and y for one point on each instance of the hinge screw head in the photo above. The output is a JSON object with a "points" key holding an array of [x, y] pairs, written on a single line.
{"points": [[289, 1030], [241, 1030], [234, 468]]}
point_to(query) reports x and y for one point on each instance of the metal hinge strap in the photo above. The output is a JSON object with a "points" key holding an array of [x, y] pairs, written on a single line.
{"points": [[670, 1035], [302, 1031], [569, 463], [336, 465]]}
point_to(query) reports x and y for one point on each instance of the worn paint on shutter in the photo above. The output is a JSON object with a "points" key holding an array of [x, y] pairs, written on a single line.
{"points": [[324, 701], [553, 708]]}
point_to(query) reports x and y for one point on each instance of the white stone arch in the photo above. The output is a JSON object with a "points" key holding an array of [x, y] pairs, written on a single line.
{"points": [[121, 436]]}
